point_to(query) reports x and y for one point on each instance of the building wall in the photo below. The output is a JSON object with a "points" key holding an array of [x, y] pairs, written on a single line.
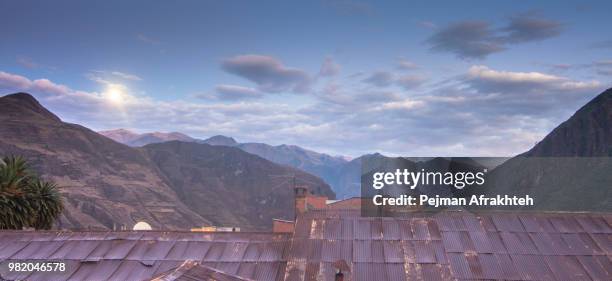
{"points": [[279, 226]]}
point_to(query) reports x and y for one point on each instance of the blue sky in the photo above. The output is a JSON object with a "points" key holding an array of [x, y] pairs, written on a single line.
{"points": [[480, 78]]}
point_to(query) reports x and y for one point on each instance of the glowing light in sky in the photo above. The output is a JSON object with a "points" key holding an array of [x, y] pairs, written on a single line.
{"points": [[115, 94]]}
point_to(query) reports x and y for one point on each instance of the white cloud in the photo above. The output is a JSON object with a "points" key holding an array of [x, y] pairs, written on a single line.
{"points": [[484, 78]]}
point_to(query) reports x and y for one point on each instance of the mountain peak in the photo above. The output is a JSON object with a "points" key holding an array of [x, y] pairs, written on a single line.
{"points": [[221, 140], [588, 133], [24, 105]]}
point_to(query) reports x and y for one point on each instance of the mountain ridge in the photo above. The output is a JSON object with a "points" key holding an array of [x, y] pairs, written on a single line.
{"points": [[106, 184]]}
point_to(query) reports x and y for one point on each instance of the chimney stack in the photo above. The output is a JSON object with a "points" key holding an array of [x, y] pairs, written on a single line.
{"points": [[300, 193]]}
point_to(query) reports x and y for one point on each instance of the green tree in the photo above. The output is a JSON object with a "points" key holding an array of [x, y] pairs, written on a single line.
{"points": [[25, 199]]}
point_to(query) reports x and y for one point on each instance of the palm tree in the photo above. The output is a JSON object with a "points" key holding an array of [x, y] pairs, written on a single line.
{"points": [[25, 199]]}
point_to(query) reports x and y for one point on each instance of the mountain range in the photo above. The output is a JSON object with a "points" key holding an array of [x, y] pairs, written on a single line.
{"points": [[174, 181], [171, 185], [586, 133], [322, 165]]}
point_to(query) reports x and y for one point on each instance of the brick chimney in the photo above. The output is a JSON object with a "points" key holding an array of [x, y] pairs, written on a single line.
{"points": [[300, 193]]}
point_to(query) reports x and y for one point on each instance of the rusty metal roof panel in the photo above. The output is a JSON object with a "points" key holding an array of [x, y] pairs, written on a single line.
{"points": [[334, 250], [378, 254], [246, 270], [362, 229], [581, 244], [434, 230], [532, 267], [133, 270], [369, 271], [137, 249], [75, 249], [377, 229], [481, 241], [197, 250], [405, 229], [234, 251], [536, 223], [433, 272], [252, 252], [391, 229], [96, 271], [178, 250], [215, 251], [229, 267], [507, 267], [10, 248], [38, 250], [274, 251], [487, 223], [119, 249], [395, 271], [312, 271], [507, 222], [362, 251], [332, 229], [594, 224], [492, 266], [472, 223], [438, 248], [420, 229], [409, 251], [565, 224], [604, 241], [598, 267], [450, 222], [567, 268], [424, 251], [347, 229], [393, 251], [518, 243], [550, 243], [267, 271], [314, 250], [453, 241], [461, 268], [164, 266]]}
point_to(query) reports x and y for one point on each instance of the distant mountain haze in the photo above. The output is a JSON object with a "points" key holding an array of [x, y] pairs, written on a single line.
{"points": [[319, 164], [134, 139], [172, 185]]}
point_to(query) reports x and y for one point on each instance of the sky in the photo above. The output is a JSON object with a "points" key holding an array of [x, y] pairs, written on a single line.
{"points": [[344, 77]]}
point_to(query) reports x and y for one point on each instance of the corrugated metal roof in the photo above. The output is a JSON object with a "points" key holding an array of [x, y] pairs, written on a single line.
{"points": [[413, 246], [458, 246], [140, 255]]}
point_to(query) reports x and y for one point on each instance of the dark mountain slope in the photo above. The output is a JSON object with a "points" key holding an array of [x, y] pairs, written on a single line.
{"points": [[170, 185], [588, 133], [570, 169], [231, 186], [104, 182]]}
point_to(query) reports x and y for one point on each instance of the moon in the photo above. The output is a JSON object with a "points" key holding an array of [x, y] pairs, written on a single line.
{"points": [[115, 94]]}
